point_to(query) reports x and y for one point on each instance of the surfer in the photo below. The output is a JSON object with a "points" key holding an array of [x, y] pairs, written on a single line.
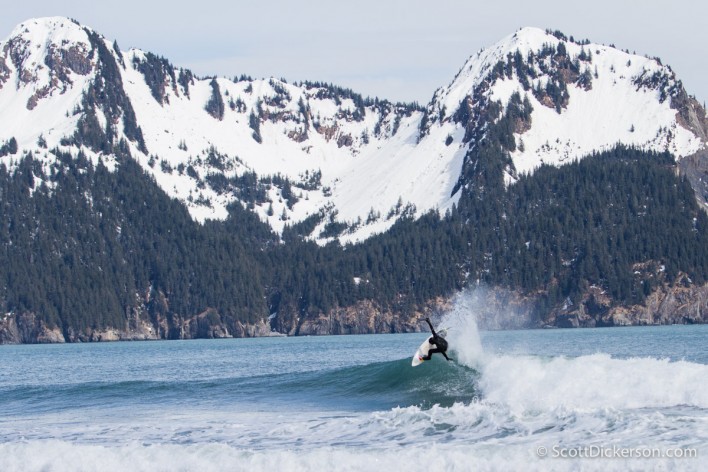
{"points": [[436, 340]]}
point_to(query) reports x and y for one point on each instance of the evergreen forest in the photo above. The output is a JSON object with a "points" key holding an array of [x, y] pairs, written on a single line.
{"points": [[82, 246]]}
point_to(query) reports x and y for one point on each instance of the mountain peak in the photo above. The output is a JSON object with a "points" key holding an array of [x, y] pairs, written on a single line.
{"points": [[575, 97], [530, 38], [51, 29], [46, 51], [45, 65], [478, 66]]}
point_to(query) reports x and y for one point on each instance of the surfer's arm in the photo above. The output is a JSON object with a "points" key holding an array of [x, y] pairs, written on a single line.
{"points": [[432, 330], [444, 354]]}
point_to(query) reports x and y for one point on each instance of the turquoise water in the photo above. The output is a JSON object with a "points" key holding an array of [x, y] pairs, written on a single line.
{"points": [[341, 402], [677, 342]]}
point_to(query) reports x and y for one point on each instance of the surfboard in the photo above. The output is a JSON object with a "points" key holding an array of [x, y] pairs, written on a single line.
{"points": [[422, 351], [425, 348]]}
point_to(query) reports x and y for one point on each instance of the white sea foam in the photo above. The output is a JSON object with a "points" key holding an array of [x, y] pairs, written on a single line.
{"points": [[588, 382], [59, 456], [593, 382]]}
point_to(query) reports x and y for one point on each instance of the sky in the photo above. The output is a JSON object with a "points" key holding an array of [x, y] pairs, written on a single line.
{"points": [[400, 50]]}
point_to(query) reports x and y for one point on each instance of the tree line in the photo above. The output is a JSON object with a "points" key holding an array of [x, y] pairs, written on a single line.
{"points": [[82, 246]]}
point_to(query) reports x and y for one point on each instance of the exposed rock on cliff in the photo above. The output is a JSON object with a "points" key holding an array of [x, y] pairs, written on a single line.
{"points": [[367, 317], [679, 303], [493, 309], [26, 328]]}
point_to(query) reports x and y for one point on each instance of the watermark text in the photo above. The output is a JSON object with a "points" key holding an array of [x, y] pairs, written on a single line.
{"points": [[615, 452]]}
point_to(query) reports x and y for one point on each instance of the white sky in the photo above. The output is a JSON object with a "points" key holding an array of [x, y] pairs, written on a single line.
{"points": [[401, 50]]}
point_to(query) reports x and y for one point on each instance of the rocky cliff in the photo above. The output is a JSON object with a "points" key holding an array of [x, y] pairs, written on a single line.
{"points": [[494, 309], [679, 303]]}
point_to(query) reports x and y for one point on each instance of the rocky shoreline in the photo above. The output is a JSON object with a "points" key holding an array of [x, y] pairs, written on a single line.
{"points": [[493, 308]]}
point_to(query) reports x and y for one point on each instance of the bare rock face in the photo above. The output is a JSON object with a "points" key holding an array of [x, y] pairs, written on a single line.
{"points": [[695, 168], [50, 336], [367, 317], [207, 324], [4, 72], [60, 64], [493, 309], [259, 329], [679, 303], [26, 328], [692, 116], [9, 333], [210, 324]]}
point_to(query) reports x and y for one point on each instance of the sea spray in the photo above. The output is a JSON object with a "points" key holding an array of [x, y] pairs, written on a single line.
{"points": [[461, 322], [524, 382]]}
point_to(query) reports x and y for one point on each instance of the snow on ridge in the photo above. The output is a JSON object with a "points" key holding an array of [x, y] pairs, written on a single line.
{"points": [[36, 104], [622, 104], [478, 66], [368, 163], [358, 178], [49, 29], [374, 162], [615, 110]]}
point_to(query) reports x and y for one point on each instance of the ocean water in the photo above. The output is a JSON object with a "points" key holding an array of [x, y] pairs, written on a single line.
{"points": [[586, 399]]}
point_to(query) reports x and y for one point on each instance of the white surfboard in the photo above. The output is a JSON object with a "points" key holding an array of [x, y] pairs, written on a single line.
{"points": [[421, 352], [425, 348]]}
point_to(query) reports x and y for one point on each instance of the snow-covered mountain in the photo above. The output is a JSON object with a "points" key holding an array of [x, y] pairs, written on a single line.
{"points": [[317, 153]]}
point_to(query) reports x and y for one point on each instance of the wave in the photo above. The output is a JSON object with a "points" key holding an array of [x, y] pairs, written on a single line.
{"points": [[384, 385], [484, 411], [519, 382], [597, 381], [58, 398], [592, 382], [375, 386]]}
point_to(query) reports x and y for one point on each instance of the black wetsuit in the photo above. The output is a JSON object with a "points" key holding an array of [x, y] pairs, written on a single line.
{"points": [[439, 342]]}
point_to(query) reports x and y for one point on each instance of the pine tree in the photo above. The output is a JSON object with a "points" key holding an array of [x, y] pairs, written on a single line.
{"points": [[215, 106], [255, 123]]}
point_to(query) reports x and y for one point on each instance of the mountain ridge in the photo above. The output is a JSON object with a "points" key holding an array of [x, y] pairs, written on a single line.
{"points": [[199, 136]]}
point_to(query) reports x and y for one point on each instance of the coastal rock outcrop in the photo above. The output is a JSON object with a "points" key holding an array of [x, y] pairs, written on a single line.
{"points": [[679, 303], [493, 309], [27, 328]]}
